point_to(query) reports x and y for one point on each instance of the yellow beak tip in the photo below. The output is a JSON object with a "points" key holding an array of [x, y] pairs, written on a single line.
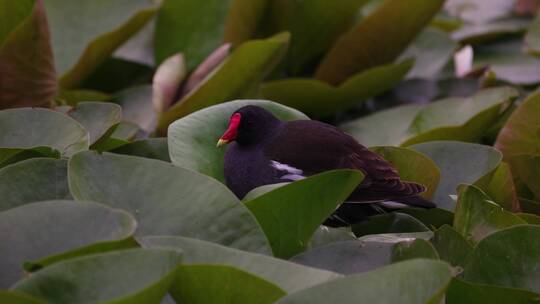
{"points": [[222, 142]]}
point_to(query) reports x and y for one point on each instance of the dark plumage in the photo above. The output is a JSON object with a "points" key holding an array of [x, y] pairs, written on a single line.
{"points": [[265, 150]]}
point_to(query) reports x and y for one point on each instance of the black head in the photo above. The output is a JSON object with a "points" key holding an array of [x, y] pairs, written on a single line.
{"points": [[250, 125]]}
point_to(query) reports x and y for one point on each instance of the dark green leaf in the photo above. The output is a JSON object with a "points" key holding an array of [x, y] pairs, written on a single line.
{"points": [[155, 148], [527, 168], [289, 215], [96, 117], [451, 246], [394, 222], [461, 292], [413, 249]]}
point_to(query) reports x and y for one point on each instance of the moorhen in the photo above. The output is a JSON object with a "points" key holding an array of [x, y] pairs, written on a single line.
{"points": [[265, 150]]}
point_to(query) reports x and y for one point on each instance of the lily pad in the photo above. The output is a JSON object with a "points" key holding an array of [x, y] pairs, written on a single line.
{"points": [[359, 49], [414, 249], [412, 166], [166, 200], [46, 230], [286, 275], [231, 80], [451, 246], [192, 139], [477, 216], [96, 117], [320, 99], [32, 180], [201, 284], [520, 135], [481, 32], [26, 128], [500, 187], [289, 215], [10, 297], [119, 277], [459, 163], [509, 258], [394, 222], [462, 292], [527, 168], [155, 148], [325, 235], [415, 281], [81, 44], [28, 78]]}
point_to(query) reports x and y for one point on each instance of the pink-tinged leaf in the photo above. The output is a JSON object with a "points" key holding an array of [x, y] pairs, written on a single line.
{"points": [[208, 65], [27, 77], [167, 81]]}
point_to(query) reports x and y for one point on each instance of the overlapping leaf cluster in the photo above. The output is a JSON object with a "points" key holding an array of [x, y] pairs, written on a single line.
{"points": [[96, 207]]}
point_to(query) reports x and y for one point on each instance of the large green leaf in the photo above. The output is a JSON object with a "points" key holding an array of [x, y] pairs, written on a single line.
{"points": [[202, 284], [509, 63], [192, 27], [244, 19], [234, 78], [363, 255], [320, 99], [475, 33], [315, 26], [28, 77], [412, 166], [432, 50], [85, 33], [461, 292], [532, 38], [364, 47], [415, 281], [476, 216], [33, 180], [520, 134], [455, 118], [96, 117], [464, 119], [10, 297], [500, 187], [384, 128], [46, 230], [451, 246], [510, 257], [192, 139], [459, 163], [155, 148], [289, 215], [394, 222], [527, 168], [33, 127], [166, 200], [286, 275], [136, 103], [127, 276]]}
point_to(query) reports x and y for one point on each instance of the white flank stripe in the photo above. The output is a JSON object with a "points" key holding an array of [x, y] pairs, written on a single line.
{"points": [[290, 173]]}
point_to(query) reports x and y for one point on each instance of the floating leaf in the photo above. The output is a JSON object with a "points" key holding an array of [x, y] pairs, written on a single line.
{"points": [[527, 168], [520, 135], [432, 50], [28, 77], [286, 275], [325, 235], [394, 222], [96, 117], [320, 99], [33, 180], [459, 163], [201, 284], [477, 216], [412, 166], [31, 127], [415, 281], [509, 258], [10, 297], [481, 32], [289, 215], [142, 275], [166, 200], [137, 107], [231, 80], [192, 139], [46, 230], [462, 292], [155, 148], [359, 49], [432, 218], [414, 249], [83, 43], [451, 246]]}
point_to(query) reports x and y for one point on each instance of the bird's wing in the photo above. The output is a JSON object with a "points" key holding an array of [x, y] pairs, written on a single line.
{"points": [[312, 147]]}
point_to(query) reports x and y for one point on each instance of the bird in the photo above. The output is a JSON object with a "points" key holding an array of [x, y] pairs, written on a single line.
{"points": [[264, 150]]}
